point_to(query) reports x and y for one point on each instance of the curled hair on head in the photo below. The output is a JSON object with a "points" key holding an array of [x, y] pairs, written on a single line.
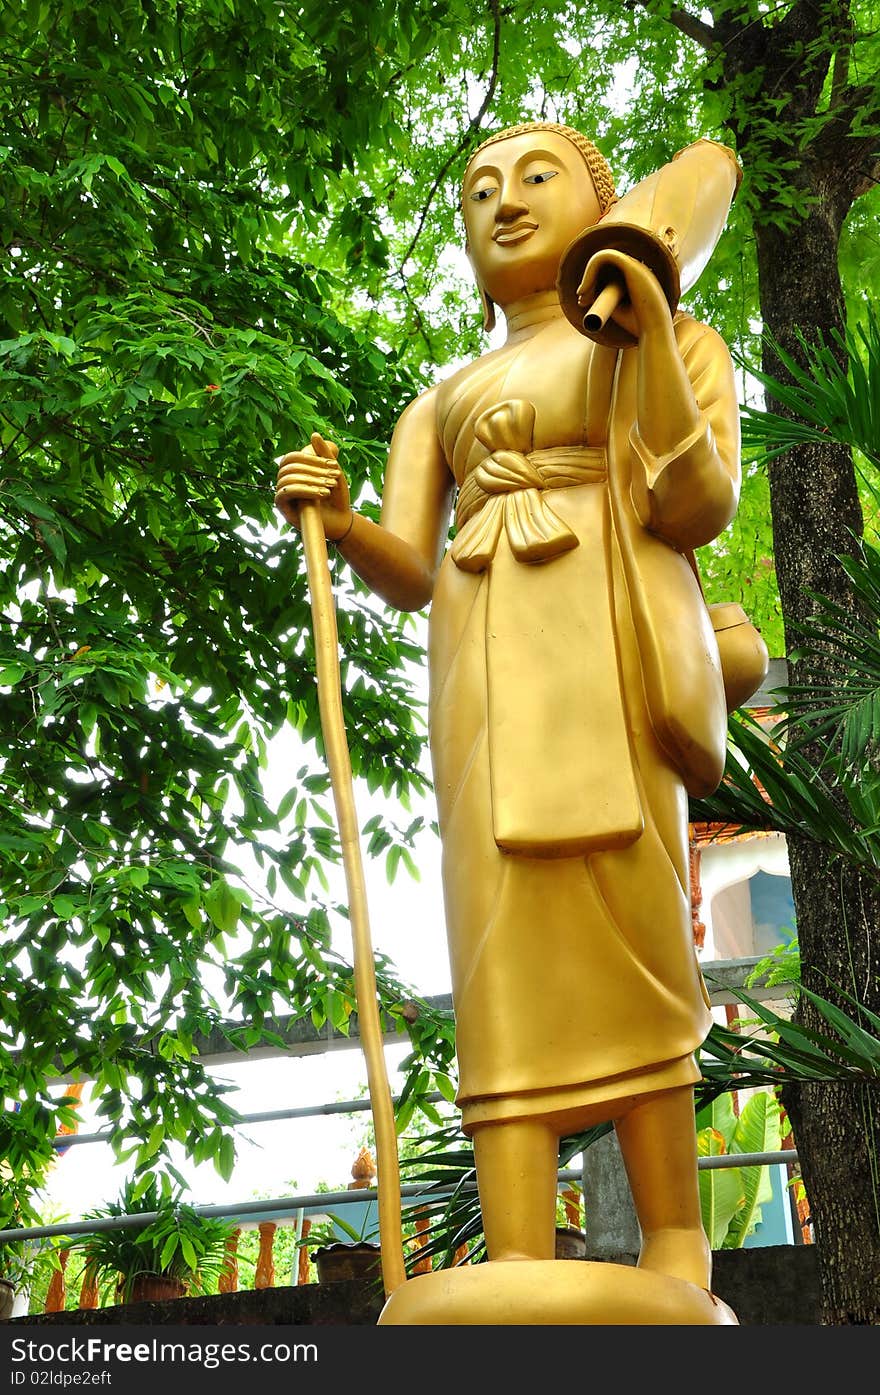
{"points": [[600, 170]]}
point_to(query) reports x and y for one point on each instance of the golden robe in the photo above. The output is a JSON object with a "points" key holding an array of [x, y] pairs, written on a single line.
{"points": [[575, 698]]}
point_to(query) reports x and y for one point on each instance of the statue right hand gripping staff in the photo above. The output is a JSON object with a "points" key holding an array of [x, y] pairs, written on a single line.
{"points": [[576, 691]]}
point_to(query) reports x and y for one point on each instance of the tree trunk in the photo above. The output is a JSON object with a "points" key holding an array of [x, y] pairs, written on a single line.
{"points": [[795, 140], [815, 510], [837, 1126], [813, 498]]}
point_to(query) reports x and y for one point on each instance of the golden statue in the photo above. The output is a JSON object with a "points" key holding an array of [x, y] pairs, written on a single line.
{"points": [[577, 697]]}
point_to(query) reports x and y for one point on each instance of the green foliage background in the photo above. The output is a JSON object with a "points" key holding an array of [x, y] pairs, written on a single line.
{"points": [[227, 225]]}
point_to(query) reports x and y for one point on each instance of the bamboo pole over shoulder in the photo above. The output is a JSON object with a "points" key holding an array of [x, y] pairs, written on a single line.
{"points": [[339, 763]]}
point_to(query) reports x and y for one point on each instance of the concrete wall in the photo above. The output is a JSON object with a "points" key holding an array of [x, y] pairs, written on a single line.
{"points": [[774, 1286]]}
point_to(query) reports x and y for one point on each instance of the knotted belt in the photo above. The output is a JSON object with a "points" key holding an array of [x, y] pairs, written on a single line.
{"points": [[507, 490], [560, 764]]}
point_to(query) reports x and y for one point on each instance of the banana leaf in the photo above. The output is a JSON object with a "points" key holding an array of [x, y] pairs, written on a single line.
{"points": [[757, 1131], [722, 1190]]}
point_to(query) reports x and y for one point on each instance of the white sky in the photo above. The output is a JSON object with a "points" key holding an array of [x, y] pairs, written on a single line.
{"points": [[277, 1159]]}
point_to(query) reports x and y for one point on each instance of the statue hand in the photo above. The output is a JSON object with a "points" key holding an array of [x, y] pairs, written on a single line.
{"points": [[643, 306], [313, 473]]}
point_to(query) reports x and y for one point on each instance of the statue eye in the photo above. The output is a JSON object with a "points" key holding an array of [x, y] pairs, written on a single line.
{"points": [[540, 178], [480, 195]]}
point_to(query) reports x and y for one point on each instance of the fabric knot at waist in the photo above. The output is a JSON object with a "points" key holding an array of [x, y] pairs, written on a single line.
{"points": [[507, 490]]}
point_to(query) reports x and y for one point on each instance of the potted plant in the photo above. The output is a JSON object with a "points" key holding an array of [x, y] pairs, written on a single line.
{"points": [[346, 1248], [19, 1188], [16, 1259], [175, 1253], [343, 1251], [26, 1270]]}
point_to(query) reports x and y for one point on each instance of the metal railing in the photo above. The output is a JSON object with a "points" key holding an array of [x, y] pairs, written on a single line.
{"points": [[723, 978], [320, 1202]]}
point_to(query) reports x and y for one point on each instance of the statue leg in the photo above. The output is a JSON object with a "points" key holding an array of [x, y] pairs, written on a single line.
{"points": [[517, 1165], [658, 1141]]}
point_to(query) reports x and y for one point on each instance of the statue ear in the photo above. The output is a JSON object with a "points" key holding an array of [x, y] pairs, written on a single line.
{"points": [[488, 309], [485, 299]]}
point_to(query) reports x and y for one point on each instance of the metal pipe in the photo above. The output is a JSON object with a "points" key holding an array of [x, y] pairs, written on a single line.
{"points": [[297, 1236], [315, 1202], [266, 1116], [318, 1202], [785, 1155], [605, 304]]}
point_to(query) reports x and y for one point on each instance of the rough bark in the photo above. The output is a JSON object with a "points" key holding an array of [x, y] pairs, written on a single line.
{"points": [[815, 511], [837, 1126]]}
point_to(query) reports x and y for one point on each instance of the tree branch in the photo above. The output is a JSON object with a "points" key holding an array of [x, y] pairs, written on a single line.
{"points": [[856, 157], [842, 56], [417, 315], [701, 33], [868, 177], [858, 101], [462, 144]]}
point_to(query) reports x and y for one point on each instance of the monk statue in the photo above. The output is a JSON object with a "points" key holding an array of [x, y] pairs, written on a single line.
{"points": [[577, 692]]}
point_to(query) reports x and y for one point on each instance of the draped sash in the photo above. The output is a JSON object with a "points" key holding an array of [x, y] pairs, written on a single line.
{"points": [[561, 770]]}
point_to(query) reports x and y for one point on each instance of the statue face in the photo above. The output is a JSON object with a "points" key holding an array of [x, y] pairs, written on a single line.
{"points": [[525, 199]]}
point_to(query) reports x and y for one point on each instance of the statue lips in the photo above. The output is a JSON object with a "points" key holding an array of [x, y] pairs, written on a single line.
{"points": [[507, 236]]}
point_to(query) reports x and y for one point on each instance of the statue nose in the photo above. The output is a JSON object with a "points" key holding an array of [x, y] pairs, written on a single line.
{"points": [[511, 204]]}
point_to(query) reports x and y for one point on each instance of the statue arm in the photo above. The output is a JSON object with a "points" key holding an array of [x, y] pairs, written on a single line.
{"points": [[685, 444], [685, 438], [399, 557]]}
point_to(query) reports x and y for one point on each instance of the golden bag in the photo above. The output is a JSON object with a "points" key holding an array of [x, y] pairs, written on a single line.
{"points": [[745, 660]]}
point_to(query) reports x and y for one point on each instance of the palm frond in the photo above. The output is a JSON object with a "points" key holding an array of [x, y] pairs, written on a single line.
{"points": [[789, 1052], [773, 789], [843, 711], [833, 395]]}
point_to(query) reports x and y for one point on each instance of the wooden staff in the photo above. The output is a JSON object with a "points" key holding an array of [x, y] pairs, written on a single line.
{"points": [[338, 760]]}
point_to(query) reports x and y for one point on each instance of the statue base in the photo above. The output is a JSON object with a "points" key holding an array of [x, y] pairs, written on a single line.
{"points": [[552, 1293]]}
